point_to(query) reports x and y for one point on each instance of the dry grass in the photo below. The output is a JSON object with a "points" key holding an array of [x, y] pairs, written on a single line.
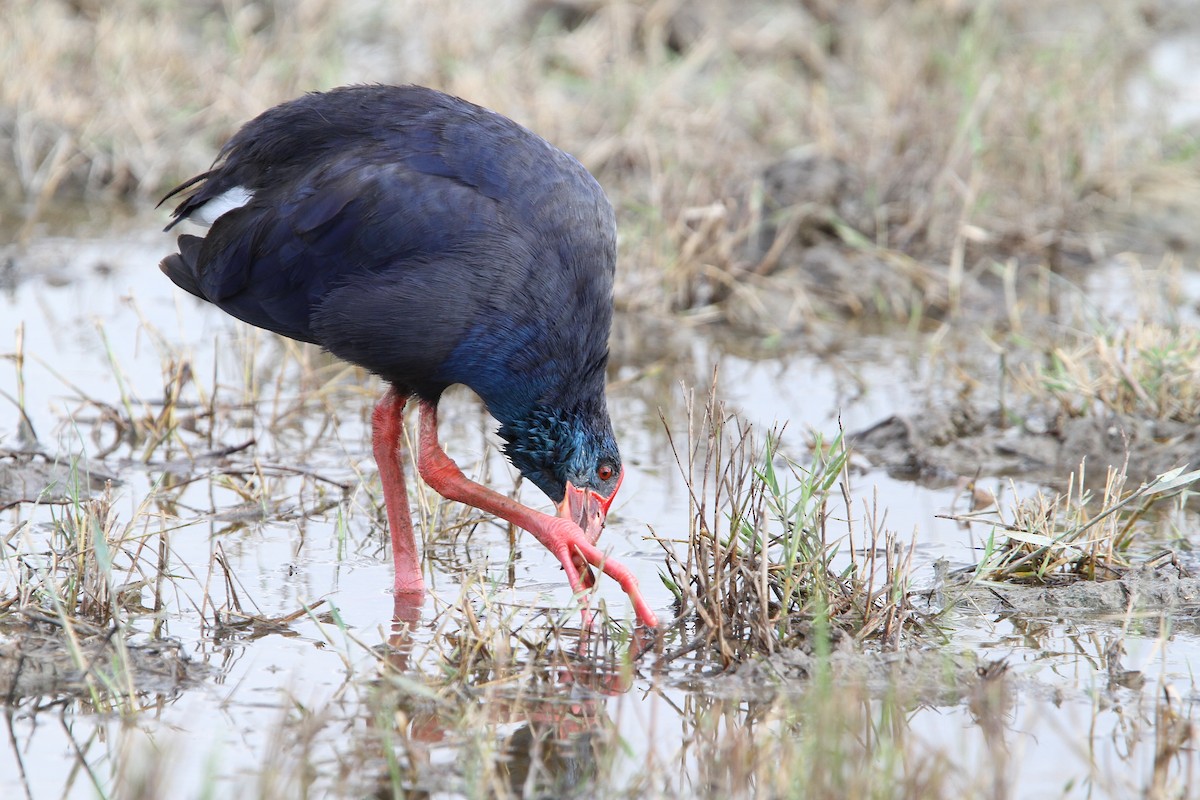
{"points": [[532, 707], [945, 135], [90, 572], [119, 97], [527, 704], [514, 689], [1145, 370], [486, 641], [73, 596]]}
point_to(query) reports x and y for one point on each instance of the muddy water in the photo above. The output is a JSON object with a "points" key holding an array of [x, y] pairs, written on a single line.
{"points": [[100, 321]]}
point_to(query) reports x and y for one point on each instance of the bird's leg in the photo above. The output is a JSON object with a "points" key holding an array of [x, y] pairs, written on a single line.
{"points": [[387, 439], [560, 536]]}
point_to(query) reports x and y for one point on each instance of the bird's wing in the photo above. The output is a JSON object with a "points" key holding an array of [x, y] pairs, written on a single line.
{"points": [[384, 266], [419, 236]]}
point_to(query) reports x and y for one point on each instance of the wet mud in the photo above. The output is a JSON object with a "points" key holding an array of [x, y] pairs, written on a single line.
{"points": [[944, 445]]}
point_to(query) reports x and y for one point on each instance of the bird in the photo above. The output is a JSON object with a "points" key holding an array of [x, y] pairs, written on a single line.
{"points": [[432, 242]]}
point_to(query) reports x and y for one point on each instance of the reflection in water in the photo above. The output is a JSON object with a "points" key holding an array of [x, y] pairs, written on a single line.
{"points": [[66, 682], [518, 695], [494, 695]]}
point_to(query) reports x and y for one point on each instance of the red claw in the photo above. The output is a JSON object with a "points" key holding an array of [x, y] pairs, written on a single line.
{"points": [[573, 545]]}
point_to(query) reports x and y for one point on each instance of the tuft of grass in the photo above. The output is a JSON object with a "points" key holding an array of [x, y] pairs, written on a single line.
{"points": [[1145, 370], [513, 688], [75, 598], [93, 568], [1066, 537], [490, 642], [762, 571]]}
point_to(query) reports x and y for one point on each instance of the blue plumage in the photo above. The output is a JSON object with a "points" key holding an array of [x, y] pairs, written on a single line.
{"points": [[432, 242]]}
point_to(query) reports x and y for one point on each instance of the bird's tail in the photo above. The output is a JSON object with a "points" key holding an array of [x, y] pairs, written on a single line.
{"points": [[181, 267]]}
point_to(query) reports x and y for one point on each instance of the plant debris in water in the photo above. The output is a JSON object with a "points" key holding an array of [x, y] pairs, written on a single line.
{"points": [[42, 660]]}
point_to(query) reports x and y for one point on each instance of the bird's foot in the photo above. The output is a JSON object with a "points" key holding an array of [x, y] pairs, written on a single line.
{"points": [[571, 546], [586, 576]]}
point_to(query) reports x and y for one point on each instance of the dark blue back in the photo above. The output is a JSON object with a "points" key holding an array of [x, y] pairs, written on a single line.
{"points": [[420, 236]]}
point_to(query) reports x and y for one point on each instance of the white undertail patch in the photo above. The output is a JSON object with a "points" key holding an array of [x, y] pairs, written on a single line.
{"points": [[220, 205]]}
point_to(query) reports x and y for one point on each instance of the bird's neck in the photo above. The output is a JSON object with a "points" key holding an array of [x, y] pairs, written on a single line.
{"points": [[547, 442]]}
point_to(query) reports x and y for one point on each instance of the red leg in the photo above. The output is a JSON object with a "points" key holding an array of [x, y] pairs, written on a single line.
{"points": [[560, 536], [387, 439]]}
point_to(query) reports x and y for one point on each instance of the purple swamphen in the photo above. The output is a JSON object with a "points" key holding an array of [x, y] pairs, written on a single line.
{"points": [[432, 242]]}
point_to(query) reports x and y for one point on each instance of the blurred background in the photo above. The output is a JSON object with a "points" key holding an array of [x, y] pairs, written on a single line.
{"points": [[802, 151]]}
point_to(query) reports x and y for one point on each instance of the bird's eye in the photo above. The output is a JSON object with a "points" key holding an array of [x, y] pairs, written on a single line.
{"points": [[604, 472]]}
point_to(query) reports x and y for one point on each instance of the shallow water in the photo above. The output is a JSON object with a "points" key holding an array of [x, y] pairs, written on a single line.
{"points": [[99, 321]]}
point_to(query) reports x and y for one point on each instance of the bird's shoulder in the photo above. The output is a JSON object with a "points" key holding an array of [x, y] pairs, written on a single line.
{"points": [[427, 143]]}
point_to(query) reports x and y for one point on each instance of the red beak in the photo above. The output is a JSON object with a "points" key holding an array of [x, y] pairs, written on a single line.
{"points": [[587, 509]]}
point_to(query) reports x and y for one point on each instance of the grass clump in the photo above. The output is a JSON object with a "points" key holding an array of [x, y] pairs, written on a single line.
{"points": [[93, 568], [76, 598], [1066, 537], [1146, 370], [516, 689], [762, 570]]}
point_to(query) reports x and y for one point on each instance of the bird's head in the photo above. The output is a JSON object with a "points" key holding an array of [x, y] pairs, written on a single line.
{"points": [[573, 458]]}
